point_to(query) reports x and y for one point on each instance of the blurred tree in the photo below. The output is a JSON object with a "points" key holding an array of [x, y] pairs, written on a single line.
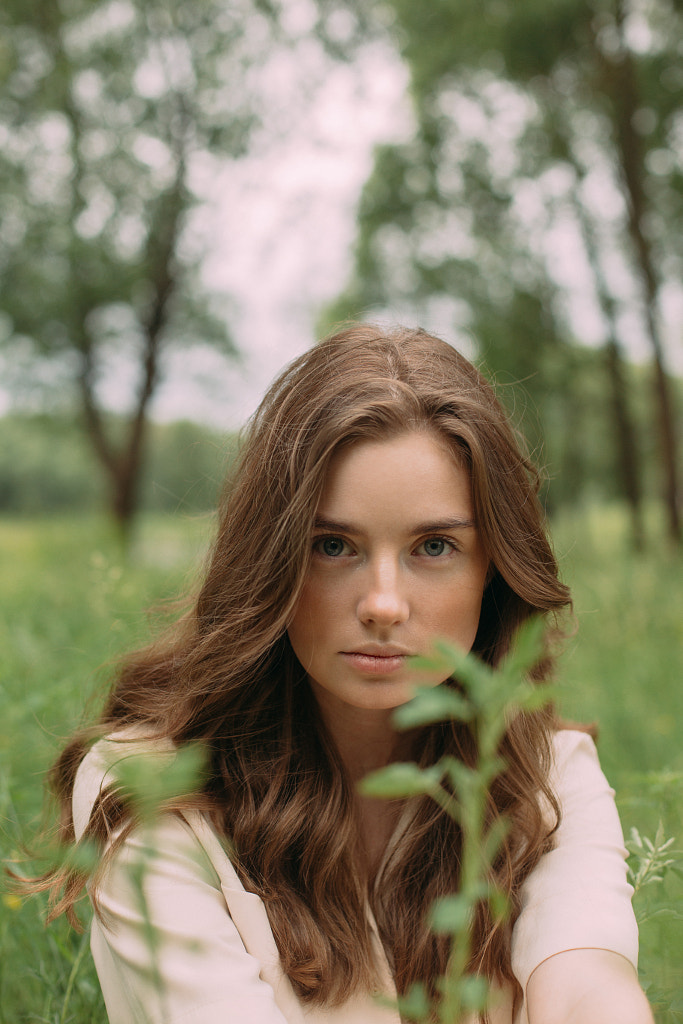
{"points": [[185, 466], [107, 111], [546, 170], [113, 116]]}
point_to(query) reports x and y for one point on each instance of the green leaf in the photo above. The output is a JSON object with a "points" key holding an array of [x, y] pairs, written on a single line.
{"points": [[84, 857], [415, 1005], [499, 904], [531, 697], [494, 839], [150, 780], [463, 779], [402, 779], [469, 670], [526, 649], [433, 704], [451, 914], [475, 992]]}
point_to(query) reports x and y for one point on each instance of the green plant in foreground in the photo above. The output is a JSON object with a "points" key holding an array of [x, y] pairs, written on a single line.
{"points": [[650, 862], [487, 700]]}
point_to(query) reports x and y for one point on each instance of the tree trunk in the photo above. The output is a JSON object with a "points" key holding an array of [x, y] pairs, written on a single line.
{"points": [[123, 464], [625, 440], [623, 429], [124, 495], [622, 87]]}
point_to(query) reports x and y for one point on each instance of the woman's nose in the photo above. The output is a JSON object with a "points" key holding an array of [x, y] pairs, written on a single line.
{"points": [[383, 601]]}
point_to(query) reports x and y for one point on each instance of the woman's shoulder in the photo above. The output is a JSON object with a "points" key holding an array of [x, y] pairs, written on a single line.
{"points": [[569, 741], [187, 836], [98, 769], [575, 762]]}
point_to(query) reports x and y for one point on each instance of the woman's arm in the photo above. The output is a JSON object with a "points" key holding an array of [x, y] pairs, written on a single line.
{"points": [[204, 974], [201, 971], [586, 986], [577, 898]]}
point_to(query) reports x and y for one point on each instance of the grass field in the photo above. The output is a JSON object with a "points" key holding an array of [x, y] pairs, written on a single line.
{"points": [[69, 606]]}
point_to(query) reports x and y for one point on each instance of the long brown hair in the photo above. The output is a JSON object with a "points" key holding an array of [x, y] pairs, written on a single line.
{"points": [[226, 674]]}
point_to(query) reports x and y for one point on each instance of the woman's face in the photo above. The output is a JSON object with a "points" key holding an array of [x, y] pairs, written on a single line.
{"points": [[397, 562]]}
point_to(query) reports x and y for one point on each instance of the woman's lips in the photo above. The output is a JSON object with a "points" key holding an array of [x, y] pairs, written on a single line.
{"points": [[374, 664]]}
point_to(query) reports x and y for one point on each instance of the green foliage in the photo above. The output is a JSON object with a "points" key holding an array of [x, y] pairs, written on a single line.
{"points": [[45, 464], [622, 671], [147, 782], [69, 607], [46, 976], [402, 779], [433, 705], [487, 700], [652, 863], [47, 467], [186, 467], [537, 125], [113, 117], [114, 103], [652, 859], [628, 644]]}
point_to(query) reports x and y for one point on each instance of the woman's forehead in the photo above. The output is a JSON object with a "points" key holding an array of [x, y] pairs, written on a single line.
{"points": [[414, 474]]}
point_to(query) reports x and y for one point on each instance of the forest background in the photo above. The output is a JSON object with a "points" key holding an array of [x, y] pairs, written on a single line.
{"points": [[519, 192]]}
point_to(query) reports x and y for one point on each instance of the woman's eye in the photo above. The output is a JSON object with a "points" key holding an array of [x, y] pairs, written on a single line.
{"points": [[333, 547], [435, 546]]}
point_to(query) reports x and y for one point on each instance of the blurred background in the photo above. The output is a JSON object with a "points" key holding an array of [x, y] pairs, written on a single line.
{"points": [[192, 193]]}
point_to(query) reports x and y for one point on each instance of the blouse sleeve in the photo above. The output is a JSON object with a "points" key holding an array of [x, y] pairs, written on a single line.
{"points": [[201, 972], [577, 897]]}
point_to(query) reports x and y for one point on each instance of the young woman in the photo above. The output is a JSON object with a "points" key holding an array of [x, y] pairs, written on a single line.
{"points": [[381, 502]]}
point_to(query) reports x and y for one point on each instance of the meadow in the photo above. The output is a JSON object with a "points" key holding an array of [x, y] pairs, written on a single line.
{"points": [[69, 605]]}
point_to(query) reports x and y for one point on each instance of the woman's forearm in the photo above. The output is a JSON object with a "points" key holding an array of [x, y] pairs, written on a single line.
{"points": [[586, 986]]}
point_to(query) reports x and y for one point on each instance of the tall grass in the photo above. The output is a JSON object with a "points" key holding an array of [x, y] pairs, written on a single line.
{"points": [[623, 670], [69, 606]]}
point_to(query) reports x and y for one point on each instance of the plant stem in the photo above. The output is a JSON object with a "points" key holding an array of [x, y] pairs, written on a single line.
{"points": [[72, 976]]}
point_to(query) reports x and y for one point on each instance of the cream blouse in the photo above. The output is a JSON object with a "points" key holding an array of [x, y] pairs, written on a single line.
{"points": [[216, 957]]}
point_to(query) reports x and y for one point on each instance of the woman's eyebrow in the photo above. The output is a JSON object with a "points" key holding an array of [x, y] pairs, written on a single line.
{"points": [[442, 525], [333, 526], [432, 526]]}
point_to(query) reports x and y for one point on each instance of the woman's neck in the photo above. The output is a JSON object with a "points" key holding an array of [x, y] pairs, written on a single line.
{"points": [[365, 738], [366, 741]]}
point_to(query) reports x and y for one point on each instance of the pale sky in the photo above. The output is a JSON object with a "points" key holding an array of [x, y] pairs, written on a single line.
{"points": [[283, 226], [279, 226], [282, 229]]}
